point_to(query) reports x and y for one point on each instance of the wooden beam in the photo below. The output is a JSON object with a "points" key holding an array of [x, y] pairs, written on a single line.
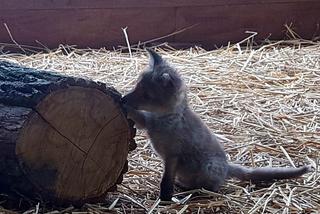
{"points": [[98, 23], [125, 4]]}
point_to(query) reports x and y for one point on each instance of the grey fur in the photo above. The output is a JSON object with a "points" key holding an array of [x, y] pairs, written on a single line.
{"points": [[192, 155]]}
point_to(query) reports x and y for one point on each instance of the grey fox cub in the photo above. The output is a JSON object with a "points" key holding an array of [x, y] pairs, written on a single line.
{"points": [[192, 155]]}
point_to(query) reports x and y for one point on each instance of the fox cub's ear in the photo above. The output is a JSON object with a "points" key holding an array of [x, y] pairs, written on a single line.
{"points": [[155, 59]]}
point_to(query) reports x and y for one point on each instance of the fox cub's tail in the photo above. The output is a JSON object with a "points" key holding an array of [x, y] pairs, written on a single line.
{"points": [[265, 173]]}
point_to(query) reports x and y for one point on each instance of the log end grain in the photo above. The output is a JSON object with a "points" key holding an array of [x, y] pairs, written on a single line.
{"points": [[74, 145]]}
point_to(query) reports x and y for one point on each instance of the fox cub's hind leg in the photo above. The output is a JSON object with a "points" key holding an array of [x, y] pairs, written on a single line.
{"points": [[215, 172]]}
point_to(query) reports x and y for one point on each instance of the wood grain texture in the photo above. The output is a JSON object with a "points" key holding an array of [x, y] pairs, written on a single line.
{"points": [[98, 23], [232, 21], [127, 4], [86, 28], [62, 137], [74, 146]]}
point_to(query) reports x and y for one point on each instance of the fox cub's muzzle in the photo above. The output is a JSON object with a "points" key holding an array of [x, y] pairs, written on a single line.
{"points": [[129, 100]]}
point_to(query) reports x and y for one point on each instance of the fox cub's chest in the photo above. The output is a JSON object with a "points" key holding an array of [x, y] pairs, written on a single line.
{"points": [[165, 126], [166, 133]]}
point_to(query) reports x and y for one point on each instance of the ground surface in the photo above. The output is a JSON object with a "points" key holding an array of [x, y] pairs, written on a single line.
{"points": [[263, 102]]}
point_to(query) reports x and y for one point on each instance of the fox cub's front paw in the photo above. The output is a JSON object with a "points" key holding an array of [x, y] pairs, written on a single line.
{"points": [[131, 112], [127, 108], [166, 193], [165, 197], [137, 116]]}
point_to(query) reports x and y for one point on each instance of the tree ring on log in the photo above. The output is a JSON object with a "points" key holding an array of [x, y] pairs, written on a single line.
{"points": [[74, 144]]}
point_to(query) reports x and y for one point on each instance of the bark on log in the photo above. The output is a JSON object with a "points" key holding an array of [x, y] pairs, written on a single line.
{"points": [[63, 137]]}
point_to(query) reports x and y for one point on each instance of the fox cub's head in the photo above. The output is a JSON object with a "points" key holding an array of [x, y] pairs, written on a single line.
{"points": [[159, 87]]}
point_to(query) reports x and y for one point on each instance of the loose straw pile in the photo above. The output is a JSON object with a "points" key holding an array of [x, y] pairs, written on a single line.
{"points": [[262, 102]]}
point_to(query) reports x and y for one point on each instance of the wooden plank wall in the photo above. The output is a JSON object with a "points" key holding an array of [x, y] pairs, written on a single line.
{"points": [[98, 23]]}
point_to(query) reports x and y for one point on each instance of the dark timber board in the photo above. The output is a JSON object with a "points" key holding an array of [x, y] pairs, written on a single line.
{"points": [[98, 23]]}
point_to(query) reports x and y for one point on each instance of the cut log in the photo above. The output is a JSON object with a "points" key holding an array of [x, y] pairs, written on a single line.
{"points": [[64, 138]]}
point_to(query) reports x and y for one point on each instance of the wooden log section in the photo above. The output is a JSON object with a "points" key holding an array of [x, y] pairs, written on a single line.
{"points": [[64, 138]]}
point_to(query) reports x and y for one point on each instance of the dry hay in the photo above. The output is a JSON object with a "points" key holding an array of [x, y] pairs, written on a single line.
{"points": [[263, 102]]}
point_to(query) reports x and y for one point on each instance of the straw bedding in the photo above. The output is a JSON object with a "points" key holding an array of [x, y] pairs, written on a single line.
{"points": [[263, 102]]}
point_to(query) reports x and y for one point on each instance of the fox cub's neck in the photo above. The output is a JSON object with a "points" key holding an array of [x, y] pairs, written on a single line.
{"points": [[178, 108]]}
